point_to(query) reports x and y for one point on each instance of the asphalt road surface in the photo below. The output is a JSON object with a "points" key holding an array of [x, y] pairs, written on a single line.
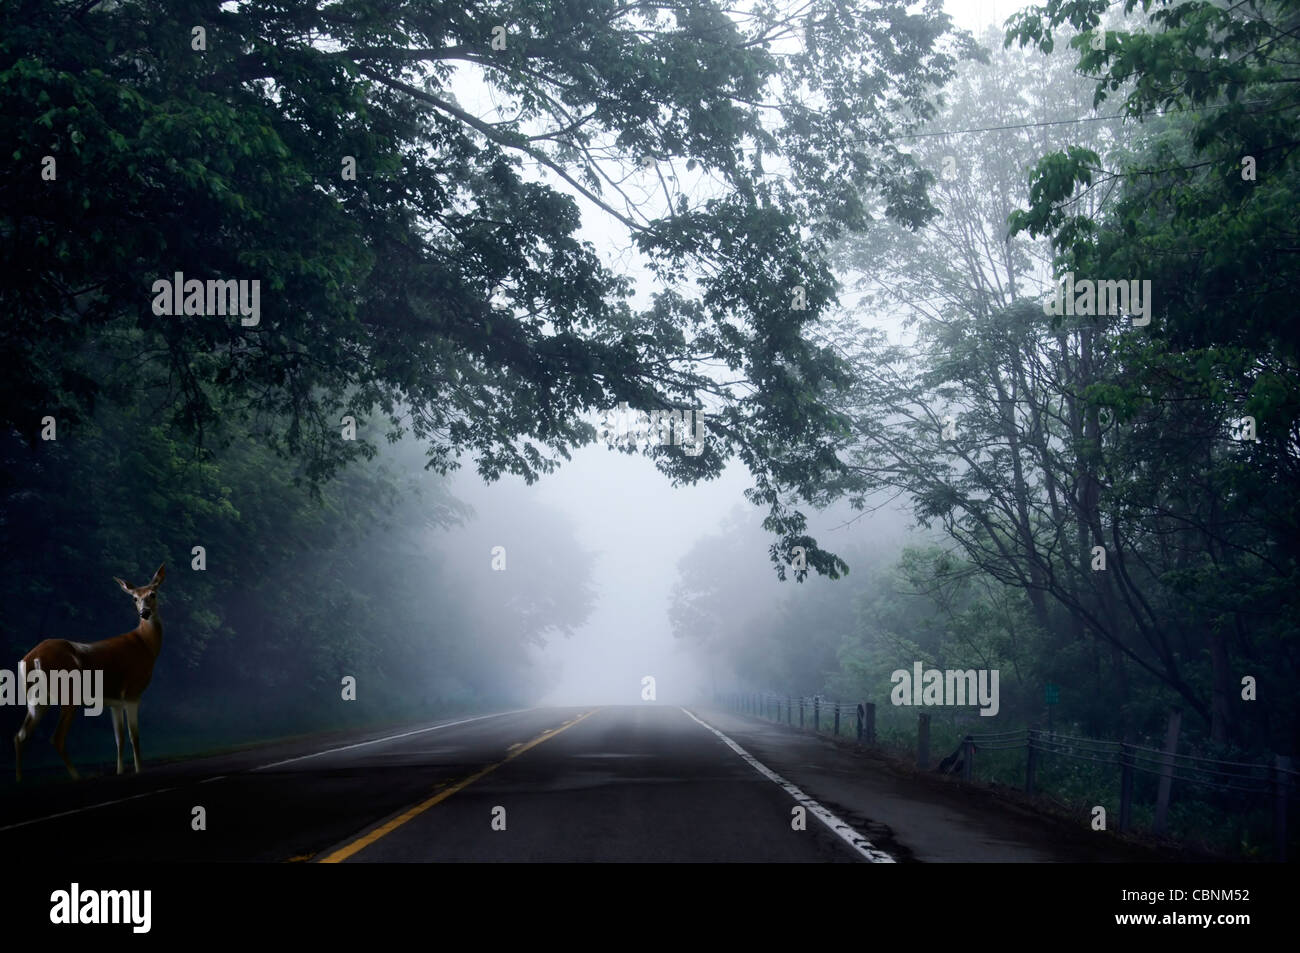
{"points": [[611, 783]]}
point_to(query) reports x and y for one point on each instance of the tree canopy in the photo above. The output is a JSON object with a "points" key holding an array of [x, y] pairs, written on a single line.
{"points": [[419, 258]]}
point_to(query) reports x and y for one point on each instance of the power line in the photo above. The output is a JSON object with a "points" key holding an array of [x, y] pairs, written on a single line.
{"points": [[1018, 125], [1055, 122], [963, 132], [1036, 125]]}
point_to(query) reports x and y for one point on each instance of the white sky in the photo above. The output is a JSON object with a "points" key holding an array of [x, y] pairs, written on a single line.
{"points": [[975, 15]]}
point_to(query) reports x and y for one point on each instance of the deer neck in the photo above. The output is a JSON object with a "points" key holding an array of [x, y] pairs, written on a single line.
{"points": [[150, 632]]}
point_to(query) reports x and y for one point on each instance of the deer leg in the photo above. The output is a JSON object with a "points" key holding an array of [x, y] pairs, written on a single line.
{"points": [[33, 717], [61, 737], [133, 722], [118, 717]]}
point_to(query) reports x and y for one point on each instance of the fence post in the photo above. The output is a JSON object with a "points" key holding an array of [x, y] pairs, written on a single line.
{"points": [[837, 719], [1167, 771], [862, 717], [871, 723], [789, 710], [800, 711], [1281, 794], [968, 757], [923, 741], [1031, 761], [817, 713], [1125, 785]]}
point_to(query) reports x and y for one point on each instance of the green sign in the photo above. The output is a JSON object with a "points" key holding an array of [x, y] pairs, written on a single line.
{"points": [[1052, 693]]}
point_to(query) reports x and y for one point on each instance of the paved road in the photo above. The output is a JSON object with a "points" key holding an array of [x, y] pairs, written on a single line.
{"points": [[617, 783]]}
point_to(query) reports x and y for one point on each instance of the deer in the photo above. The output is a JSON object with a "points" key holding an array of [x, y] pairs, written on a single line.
{"points": [[127, 662]]}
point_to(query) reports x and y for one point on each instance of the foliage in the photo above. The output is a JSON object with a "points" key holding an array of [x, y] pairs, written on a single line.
{"points": [[444, 290]]}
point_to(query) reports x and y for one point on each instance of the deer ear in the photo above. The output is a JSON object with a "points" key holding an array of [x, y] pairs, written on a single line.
{"points": [[125, 587], [158, 577]]}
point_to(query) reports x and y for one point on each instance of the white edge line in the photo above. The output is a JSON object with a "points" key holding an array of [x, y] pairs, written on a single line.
{"points": [[79, 810], [850, 836], [133, 797], [375, 741]]}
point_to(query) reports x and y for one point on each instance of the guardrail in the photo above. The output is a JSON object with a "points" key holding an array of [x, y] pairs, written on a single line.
{"points": [[1276, 781]]}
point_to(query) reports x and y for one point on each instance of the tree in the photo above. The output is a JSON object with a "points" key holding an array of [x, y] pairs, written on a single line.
{"points": [[372, 579], [1205, 211], [1080, 459], [983, 419], [443, 290]]}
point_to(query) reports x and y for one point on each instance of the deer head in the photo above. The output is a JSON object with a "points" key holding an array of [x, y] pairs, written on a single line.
{"points": [[146, 597]]}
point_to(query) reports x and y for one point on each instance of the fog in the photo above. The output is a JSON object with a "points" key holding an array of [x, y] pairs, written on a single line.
{"points": [[425, 248], [638, 525]]}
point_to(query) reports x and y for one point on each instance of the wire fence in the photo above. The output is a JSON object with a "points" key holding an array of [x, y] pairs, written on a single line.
{"points": [[1275, 782]]}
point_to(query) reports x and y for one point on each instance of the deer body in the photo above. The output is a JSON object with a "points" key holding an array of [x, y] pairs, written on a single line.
{"points": [[126, 661]]}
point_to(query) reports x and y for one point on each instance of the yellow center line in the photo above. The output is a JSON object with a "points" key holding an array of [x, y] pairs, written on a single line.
{"points": [[365, 840]]}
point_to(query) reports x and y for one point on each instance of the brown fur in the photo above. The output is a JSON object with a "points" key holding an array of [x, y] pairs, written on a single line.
{"points": [[126, 660]]}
